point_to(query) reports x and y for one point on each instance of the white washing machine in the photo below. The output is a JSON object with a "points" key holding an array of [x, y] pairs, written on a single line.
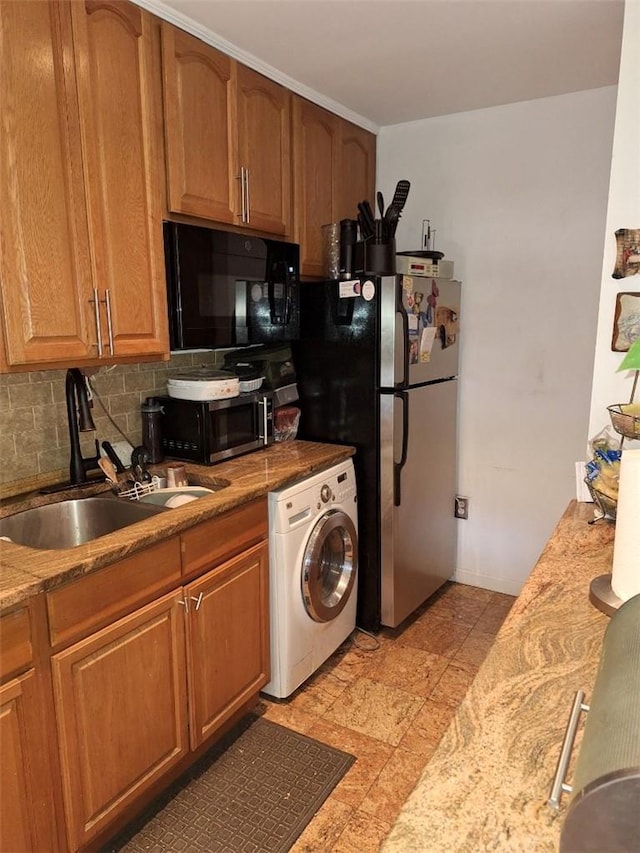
{"points": [[313, 556]]}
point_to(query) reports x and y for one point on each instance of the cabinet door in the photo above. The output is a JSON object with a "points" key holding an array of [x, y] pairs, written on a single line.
{"points": [[199, 126], [120, 700], [227, 639], [24, 781], [45, 271], [316, 154], [264, 132], [357, 169], [115, 62]]}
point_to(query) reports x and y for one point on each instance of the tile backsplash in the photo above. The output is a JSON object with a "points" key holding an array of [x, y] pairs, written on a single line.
{"points": [[34, 435]]}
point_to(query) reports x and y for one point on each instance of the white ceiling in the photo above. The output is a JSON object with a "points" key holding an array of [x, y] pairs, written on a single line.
{"points": [[392, 61]]}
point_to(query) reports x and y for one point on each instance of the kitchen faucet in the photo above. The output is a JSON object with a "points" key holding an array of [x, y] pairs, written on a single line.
{"points": [[80, 420]]}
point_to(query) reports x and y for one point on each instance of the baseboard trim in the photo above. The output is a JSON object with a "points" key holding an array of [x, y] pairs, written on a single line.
{"points": [[508, 586]]}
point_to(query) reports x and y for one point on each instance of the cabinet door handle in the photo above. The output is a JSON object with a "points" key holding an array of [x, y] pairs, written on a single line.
{"points": [[248, 202], [96, 310], [197, 600], [243, 209], [184, 602], [559, 786], [107, 303]]}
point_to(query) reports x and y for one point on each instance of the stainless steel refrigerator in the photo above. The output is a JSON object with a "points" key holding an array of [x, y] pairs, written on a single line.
{"points": [[377, 368]]}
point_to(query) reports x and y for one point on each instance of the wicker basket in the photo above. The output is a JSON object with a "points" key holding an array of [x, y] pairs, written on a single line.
{"points": [[625, 419]]}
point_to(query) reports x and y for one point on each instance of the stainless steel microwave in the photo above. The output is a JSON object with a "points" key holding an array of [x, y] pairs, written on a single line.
{"points": [[226, 289], [208, 431]]}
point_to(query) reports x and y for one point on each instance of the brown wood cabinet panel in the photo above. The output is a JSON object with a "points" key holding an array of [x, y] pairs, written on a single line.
{"points": [[16, 827], [113, 44], [316, 155], [264, 142], [222, 537], [97, 599], [16, 650], [26, 786], [44, 241], [228, 639], [121, 713], [357, 169], [199, 111]]}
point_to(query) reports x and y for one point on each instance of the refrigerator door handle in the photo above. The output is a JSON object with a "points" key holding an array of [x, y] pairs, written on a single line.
{"points": [[398, 466], [400, 309]]}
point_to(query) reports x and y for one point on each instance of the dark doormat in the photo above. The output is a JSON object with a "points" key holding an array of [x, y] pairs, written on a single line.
{"points": [[254, 791]]}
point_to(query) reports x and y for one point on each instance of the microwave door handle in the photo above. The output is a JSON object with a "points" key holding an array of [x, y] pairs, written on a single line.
{"points": [[264, 435]]}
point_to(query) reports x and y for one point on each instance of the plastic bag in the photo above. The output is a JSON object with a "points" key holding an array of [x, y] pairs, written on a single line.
{"points": [[603, 469]]}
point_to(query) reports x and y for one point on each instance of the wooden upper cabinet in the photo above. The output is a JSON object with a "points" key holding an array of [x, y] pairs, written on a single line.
{"points": [[81, 254], [316, 155], [357, 169], [199, 111], [45, 269], [227, 137], [264, 133], [115, 66]]}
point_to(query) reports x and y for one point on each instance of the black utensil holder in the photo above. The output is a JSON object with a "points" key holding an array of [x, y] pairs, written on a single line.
{"points": [[375, 258]]}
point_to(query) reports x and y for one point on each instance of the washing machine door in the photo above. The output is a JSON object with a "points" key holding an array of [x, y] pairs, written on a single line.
{"points": [[329, 566]]}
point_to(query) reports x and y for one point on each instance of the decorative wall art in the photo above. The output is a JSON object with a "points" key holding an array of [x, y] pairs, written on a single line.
{"points": [[626, 321], [627, 253]]}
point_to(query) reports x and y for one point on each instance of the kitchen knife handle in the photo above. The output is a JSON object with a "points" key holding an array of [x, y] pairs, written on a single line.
{"points": [[398, 466]]}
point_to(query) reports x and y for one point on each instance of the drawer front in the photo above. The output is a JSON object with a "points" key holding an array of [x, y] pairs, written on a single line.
{"points": [[16, 650], [214, 541], [96, 600]]}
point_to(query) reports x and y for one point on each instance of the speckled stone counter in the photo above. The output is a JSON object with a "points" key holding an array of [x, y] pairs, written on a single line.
{"points": [[487, 785], [26, 571]]}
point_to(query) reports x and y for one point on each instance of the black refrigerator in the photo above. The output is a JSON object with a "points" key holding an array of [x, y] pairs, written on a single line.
{"points": [[377, 368]]}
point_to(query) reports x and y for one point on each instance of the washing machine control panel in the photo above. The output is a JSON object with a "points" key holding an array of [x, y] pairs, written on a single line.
{"points": [[325, 494]]}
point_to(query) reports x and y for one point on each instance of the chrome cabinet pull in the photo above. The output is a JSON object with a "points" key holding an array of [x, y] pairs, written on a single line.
{"points": [[107, 302], [197, 600], [559, 786], [248, 203], [243, 208], [96, 309], [184, 602]]}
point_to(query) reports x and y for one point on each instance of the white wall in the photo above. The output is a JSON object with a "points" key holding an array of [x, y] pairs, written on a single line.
{"points": [[518, 196], [623, 211]]}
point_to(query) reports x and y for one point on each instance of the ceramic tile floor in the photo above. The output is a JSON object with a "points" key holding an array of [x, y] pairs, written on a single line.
{"points": [[389, 707]]}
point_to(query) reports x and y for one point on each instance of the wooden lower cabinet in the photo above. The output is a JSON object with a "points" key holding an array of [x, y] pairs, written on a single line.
{"points": [[121, 711], [19, 781], [28, 802], [228, 640], [134, 698]]}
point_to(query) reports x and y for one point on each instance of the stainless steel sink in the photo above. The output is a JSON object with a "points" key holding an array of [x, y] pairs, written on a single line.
{"points": [[67, 524]]}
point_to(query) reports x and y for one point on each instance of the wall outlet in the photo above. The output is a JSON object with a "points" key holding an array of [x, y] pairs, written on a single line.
{"points": [[461, 507]]}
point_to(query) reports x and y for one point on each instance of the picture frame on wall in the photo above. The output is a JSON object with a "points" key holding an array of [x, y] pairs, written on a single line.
{"points": [[626, 321], [627, 253]]}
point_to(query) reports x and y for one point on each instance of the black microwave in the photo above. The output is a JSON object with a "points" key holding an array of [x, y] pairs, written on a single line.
{"points": [[226, 289], [208, 431]]}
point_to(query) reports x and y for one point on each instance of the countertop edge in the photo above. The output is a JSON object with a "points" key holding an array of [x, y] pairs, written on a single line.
{"points": [[25, 572]]}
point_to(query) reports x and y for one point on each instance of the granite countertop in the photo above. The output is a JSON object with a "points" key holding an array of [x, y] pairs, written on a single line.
{"points": [[26, 571], [486, 786]]}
